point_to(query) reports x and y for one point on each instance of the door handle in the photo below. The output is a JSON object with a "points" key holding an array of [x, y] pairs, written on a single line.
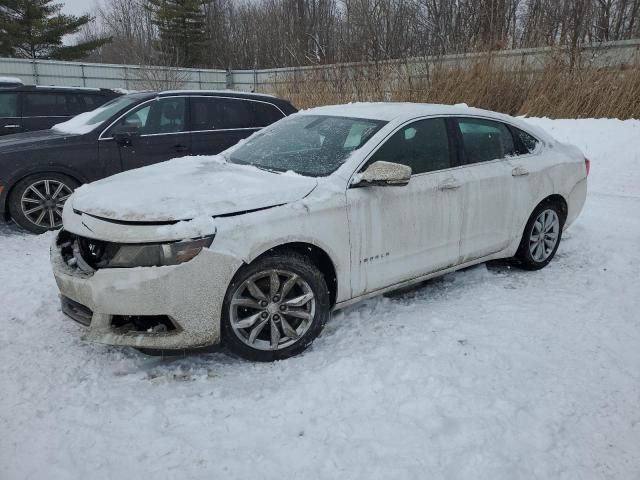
{"points": [[12, 126], [519, 172], [450, 184], [180, 148]]}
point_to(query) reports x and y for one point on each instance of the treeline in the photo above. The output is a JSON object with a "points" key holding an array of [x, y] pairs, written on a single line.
{"points": [[276, 33]]}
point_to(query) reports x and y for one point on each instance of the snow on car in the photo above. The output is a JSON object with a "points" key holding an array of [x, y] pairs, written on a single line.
{"points": [[320, 210]]}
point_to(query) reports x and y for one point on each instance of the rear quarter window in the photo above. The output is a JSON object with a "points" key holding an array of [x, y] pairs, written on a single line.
{"points": [[265, 113], [524, 142]]}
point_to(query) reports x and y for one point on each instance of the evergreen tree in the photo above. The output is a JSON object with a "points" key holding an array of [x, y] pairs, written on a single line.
{"points": [[35, 28], [181, 30]]}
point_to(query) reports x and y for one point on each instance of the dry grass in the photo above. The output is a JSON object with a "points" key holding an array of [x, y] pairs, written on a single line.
{"points": [[557, 90]]}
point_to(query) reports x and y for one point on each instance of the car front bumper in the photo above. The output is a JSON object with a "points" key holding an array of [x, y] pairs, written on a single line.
{"points": [[190, 295]]}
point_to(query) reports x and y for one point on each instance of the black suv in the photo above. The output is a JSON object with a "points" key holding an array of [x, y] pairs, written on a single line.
{"points": [[39, 170], [28, 108]]}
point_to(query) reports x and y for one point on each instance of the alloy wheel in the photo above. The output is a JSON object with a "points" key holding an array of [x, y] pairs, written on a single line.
{"points": [[272, 309], [544, 235], [42, 202]]}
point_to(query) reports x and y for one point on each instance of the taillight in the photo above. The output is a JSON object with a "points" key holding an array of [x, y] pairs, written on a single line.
{"points": [[587, 164]]}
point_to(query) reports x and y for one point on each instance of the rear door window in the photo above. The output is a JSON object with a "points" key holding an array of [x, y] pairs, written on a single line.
{"points": [[216, 113], [485, 140], [421, 145], [44, 105], [8, 104]]}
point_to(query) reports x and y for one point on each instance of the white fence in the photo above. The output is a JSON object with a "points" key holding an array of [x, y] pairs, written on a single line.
{"points": [[130, 77], [137, 77]]}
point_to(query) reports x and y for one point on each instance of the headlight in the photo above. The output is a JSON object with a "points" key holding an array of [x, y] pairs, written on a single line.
{"points": [[99, 254], [150, 255]]}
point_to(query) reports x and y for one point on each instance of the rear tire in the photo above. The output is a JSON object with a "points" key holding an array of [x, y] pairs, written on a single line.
{"points": [[274, 307], [541, 237], [36, 201]]}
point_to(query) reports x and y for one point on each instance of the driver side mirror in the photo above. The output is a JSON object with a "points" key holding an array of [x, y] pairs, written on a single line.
{"points": [[384, 174], [123, 134]]}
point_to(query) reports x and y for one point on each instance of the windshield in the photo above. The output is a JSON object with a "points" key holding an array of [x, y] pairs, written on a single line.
{"points": [[87, 121], [311, 145]]}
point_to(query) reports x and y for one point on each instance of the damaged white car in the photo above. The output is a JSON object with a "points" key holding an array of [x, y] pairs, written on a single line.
{"points": [[255, 248]]}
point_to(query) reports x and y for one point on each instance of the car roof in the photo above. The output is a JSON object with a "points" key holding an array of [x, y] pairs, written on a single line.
{"points": [[235, 93], [405, 111], [262, 97], [389, 111], [10, 81], [29, 88]]}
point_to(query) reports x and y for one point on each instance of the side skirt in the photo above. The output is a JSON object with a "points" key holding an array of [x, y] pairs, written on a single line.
{"points": [[416, 280]]}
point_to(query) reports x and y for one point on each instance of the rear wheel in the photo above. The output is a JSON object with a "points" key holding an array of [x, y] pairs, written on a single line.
{"points": [[275, 307], [541, 237], [36, 202]]}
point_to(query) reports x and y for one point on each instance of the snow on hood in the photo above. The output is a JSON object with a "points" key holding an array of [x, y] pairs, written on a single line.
{"points": [[78, 125], [186, 188]]}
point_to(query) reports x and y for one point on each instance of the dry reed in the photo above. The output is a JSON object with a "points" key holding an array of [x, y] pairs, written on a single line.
{"points": [[557, 90]]}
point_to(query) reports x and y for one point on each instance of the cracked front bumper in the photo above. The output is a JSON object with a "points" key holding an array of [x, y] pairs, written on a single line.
{"points": [[191, 294]]}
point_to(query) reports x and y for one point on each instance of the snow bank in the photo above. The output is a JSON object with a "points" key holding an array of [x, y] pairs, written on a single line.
{"points": [[612, 145], [490, 373]]}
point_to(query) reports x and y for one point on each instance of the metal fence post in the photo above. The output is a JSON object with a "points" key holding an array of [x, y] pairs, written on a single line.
{"points": [[84, 79], [35, 72], [229, 79]]}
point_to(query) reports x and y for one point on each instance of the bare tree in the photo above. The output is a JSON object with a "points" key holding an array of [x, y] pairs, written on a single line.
{"points": [[276, 33]]}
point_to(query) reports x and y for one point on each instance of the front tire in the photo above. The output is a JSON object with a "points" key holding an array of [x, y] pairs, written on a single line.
{"points": [[36, 202], [274, 307], [541, 237]]}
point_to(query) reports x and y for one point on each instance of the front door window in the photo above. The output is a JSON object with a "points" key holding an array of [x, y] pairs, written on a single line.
{"points": [[161, 116]]}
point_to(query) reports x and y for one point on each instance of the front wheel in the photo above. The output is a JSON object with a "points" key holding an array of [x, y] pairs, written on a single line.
{"points": [[275, 307], [541, 237], [36, 201]]}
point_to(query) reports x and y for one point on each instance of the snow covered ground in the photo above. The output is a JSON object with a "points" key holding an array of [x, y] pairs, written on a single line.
{"points": [[490, 373]]}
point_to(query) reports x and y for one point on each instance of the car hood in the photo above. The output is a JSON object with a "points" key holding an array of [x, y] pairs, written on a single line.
{"points": [[37, 139], [186, 188]]}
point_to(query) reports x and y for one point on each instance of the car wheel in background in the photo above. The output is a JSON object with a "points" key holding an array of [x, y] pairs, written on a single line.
{"points": [[36, 202], [274, 307], [541, 237]]}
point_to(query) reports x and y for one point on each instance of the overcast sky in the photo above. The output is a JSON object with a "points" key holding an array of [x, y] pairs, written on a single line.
{"points": [[77, 7]]}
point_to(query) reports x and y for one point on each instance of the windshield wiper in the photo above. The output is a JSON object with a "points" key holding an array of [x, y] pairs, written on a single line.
{"points": [[266, 169], [240, 162]]}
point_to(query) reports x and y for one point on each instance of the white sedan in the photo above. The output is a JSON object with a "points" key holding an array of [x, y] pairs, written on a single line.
{"points": [[254, 248]]}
